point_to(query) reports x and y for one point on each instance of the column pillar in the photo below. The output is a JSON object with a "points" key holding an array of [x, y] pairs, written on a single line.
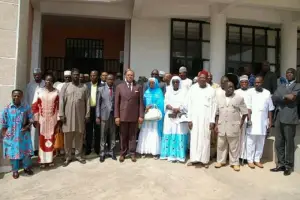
{"points": [[288, 52], [127, 44], [217, 43], [36, 44]]}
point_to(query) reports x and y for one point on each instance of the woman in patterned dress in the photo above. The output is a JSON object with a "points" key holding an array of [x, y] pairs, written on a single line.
{"points": [[175, 134], [45, 109]]}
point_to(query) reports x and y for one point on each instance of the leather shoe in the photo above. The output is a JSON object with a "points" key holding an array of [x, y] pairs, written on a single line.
{"points": [[88, 152], [66, 163], [287, 172], [15, 175], [28, 171], [121, 159], [114, 157], [102, 158], [133, 158], [81, 160], [278, 169]]}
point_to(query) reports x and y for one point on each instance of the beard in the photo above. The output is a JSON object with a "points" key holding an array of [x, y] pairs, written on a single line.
{"points": [[259, 89], [244, 88]]}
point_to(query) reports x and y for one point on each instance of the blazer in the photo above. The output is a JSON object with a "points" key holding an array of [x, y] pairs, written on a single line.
{"points": [[129, 104], [288, 111], [270, 82], [105, 102], [89, 86], [230, 115]]}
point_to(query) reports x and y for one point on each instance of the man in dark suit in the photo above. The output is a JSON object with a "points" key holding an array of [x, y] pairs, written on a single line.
{"points": [[129, 111], [105, 117], [270, 78], [288, 118], [119, 79], [92, 128], [155, 74]]}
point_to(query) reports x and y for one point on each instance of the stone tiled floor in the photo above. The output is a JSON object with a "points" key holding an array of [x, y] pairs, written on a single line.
{"points": [[150, 179]]}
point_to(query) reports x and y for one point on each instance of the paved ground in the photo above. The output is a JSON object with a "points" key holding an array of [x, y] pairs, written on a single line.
{"points": [[150, 179]]}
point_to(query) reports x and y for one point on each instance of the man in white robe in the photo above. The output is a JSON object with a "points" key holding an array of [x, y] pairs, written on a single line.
{"points": [[186, 82], [243, 92], [31, 89], [67, 78], [201, 107], [261, 107]]}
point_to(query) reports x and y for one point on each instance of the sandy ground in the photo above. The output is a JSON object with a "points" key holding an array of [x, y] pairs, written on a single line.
{"points": [[149, 179]]}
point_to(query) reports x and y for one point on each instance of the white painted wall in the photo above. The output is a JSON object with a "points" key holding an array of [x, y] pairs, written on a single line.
{"points": [[150, 46]]}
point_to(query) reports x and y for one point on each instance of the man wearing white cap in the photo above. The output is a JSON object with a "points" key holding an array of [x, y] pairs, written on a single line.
{"points": [[67, 79], [244, 92], [186, 82], [31, 89]]}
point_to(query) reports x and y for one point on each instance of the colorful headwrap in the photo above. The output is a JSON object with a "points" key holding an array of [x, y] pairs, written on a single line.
{"points": [[203, 72]]}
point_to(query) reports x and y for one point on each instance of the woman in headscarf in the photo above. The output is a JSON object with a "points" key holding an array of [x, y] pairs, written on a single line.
{"points": [[151, 131], [175, 133]]}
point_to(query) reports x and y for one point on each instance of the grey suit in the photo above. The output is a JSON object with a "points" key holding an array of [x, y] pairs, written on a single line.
{"points": [[288, 118], [105, 111]]}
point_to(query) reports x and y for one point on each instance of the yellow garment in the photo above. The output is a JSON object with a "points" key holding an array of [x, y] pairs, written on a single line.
{"points": [[93, 99], [215, 85]]}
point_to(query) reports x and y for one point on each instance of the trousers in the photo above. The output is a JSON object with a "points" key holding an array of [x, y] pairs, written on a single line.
{"points": [[230, 144], [255, 147], [285, 145], [128, 132], [15, 163], [108, 135], [93, 132], [68, 140]]}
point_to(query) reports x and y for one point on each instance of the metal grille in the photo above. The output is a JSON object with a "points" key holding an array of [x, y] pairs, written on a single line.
{"points": [[55, 64], [84, 48]]}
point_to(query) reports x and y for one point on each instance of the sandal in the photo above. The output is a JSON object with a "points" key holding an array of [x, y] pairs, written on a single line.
{"points": [[51, 164], [42, 166]]}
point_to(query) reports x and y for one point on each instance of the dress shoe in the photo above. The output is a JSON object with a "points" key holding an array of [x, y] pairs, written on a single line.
{"points": [[121, 159], [66, 163], [258, 164], [97, 152], [88, 152], [133, 158], [102, 159], [28, 171], [278, 169], [15, 175], [114, 157], [219, 165], [251, 165], [81, 160], [236, 168], [287, 172]]}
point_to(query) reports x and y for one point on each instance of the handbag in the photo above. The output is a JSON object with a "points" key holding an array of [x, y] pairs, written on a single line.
{"points": [[59, 140], [153, 114]]}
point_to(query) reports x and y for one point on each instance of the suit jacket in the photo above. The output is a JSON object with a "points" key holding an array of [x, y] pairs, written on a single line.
{"points": [[129, 104], [117, 82], [89, 86], [105, 102], [288, 111], [270, 82], [230, 115]]}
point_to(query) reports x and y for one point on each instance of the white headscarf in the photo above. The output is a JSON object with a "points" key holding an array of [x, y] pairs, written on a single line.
{"points": [[171, 84]]}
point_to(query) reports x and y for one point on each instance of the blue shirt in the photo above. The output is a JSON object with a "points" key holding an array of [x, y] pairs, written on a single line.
{"points": [[251, 80]]}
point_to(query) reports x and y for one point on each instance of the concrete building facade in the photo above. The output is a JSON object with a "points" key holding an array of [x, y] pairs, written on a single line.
{"points": [[217, 35]]}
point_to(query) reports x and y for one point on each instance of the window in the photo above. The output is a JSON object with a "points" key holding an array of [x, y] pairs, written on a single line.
{"points": [[189, 45], [249, 45]]}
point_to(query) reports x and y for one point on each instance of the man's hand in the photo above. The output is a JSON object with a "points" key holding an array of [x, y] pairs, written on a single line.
{"points": [[25, 128], [62, 119], [3, 131], [211, 126], [190, 125], [270, 124], [176, 110], [35, 124], [290, 97], [117, 121], [249, 124], [216, 130], [141, 120], [98, 121]]}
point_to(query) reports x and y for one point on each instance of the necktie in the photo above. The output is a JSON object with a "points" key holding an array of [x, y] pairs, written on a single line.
{"points": [[129, 86], [110, 91]]}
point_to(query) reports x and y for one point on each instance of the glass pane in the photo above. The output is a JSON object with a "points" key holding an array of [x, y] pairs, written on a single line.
{"points": [[205, 50], [234, 34], [233, 52], [177, 63], [247, 53], [232, 67], [298, 57], [260, 54], [260, 38], [205, 31], [193, 49], [247, 35], [193, 31], [178, 48], [272, 38], [272, 68], [271, 55], [298, 42], [178, 29], [206, 65]]}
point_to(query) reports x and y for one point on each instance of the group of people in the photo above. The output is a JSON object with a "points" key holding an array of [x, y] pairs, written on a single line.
{"points": [[173, 115]]}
